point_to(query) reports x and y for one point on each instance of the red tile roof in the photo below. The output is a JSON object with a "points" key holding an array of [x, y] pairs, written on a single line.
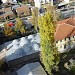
{"points": [[23, 9], [65, 28]]}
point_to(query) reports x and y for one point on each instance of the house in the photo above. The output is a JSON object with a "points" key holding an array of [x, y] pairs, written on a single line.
{"points": [[38, 3], [7, 13], [8, 1], [65, 34], [23, 11]]}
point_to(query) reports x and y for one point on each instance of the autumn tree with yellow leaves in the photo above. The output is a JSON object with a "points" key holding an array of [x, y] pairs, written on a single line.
{"points": [[49, 53]]}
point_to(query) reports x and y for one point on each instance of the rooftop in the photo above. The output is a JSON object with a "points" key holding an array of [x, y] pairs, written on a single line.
{"points": [[22, 47], [65, 28], [31, 69]]}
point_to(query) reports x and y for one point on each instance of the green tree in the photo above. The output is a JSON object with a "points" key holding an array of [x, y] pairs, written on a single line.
{"points": [[53, 11], [34, 19], [22, 30], [49, 53], [19, 26]]}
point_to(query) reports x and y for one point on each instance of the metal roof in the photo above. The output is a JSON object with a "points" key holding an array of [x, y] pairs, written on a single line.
{"points": [[22, 47], [31, 69]]}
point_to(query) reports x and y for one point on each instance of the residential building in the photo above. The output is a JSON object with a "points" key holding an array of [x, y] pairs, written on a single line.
{"points": [[8, 1], [38, 3], [64, 38], [23, 11], [65, 34], [7, 13]]}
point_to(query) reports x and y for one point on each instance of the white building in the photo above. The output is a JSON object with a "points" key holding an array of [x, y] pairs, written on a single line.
{"points": [[10, 1], [39, 2]]}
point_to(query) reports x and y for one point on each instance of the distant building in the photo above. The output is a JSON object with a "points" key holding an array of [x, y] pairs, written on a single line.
{"points": [[8, 1], [22, 47], [6, 13], [39, 2], [23, 11]]}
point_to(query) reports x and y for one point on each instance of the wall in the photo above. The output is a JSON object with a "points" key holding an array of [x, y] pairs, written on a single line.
{"points": [[65, 44]]}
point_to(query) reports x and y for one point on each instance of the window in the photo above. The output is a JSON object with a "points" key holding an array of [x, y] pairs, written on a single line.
{"points": [[60, 46], [56, 41], [65, 39], [64, 46], [60, 40], [69, 38]]}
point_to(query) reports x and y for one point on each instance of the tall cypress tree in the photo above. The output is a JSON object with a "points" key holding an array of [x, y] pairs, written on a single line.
{"points": [[49, 53]]}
